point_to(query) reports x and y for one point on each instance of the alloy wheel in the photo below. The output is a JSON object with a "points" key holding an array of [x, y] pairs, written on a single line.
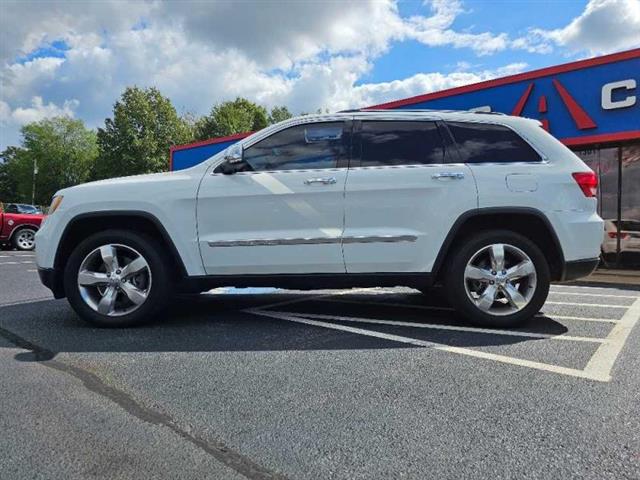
{"points": [[114, 280], [500, 279]]}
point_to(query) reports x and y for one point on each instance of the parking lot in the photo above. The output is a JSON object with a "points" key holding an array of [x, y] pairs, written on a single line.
{"points": [[367, 383]]}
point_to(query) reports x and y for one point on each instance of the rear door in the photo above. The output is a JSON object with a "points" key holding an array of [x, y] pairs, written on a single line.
{"points": [[404, 192]]}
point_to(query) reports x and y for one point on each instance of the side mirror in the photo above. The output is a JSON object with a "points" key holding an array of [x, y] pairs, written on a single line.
{"points": [[232, 160]]}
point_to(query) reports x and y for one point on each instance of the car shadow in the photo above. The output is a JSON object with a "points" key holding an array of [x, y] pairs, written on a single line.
{"points": [[225, 323]]}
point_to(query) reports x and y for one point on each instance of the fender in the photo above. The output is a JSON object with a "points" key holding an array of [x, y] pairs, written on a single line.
{"points": [[117, 213], [480, 212]]}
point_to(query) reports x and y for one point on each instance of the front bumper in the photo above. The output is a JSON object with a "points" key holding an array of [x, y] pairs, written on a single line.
{"points": [[52, 279], [579, 268]]}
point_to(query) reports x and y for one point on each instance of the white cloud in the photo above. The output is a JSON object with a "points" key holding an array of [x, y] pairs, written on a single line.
{"points": [[37, 111], [376, 93], [604, 26]]}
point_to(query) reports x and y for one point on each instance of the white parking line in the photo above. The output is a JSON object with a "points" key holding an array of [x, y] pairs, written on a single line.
{"points": [[421, 343], [582, 319], [598, 368], [436, 326], [602, 361], [15, 263], [580, 304], [634, 297]]}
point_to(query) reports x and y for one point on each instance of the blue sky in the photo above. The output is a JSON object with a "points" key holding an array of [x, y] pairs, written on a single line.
{"points": [[70, 58]]}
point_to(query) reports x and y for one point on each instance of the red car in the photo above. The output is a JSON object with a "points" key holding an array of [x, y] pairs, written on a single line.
{"points": [[18, 228]]}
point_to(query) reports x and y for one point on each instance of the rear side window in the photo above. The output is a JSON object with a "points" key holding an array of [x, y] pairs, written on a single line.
{"points": [[400, 143], [487, 143]]}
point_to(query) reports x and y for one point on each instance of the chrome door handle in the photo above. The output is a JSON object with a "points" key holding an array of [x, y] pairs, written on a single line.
{"points": [[323, 181], [454, 175]]}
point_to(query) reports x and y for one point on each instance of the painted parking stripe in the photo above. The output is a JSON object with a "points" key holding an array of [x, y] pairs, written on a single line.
{"points": [[582, 319], [421, 343], [15, 263], [586, 294], [602, 361], [434, 326], [580, 304]]}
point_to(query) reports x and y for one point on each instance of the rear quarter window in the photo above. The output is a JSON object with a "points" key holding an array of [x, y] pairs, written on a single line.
{"points": [[490, 143]]}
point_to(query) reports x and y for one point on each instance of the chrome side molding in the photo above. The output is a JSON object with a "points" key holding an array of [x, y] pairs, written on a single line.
{"points": [[313, 241]]}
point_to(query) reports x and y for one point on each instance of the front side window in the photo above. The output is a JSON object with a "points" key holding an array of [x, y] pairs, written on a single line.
{"points": [[489, 143], [400, 143], [309, 146]]}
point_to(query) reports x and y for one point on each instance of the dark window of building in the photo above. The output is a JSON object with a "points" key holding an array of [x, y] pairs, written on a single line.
{"points": [[400, 143], [488, 143], [310, 146]]}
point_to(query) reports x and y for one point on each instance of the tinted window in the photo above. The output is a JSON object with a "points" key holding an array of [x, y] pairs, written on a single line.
{"points": [[400, 143], [11, 208], [315, 145], [482, 142]]}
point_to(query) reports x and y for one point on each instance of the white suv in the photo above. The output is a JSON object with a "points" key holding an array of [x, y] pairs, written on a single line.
{"points": [[491, 206]]}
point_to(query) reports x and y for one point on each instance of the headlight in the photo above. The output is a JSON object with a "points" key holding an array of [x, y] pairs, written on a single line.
{"points": [[55, 203]]}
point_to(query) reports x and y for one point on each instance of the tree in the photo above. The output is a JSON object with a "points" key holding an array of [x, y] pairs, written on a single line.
{"points": [[8, 179], [228, 118], [279, 114], [64, 152], [138, 137]]}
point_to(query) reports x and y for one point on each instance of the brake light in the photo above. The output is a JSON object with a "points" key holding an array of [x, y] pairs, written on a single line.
{"points": [[622, 235], [588, 183]]}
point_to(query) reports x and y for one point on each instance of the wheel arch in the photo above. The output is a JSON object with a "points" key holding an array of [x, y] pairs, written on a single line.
{"points": [[86, 224], [17, 228], [527, 221]]}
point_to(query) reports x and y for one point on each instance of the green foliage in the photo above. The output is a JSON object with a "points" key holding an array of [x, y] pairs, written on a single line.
{"points": [[279, 114], [138, 137], [8, 177], [64, 152], [228, 118]]}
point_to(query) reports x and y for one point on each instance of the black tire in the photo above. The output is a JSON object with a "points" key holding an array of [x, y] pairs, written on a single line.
{"points": [[158, 295], [17, 239], [455, 281]]}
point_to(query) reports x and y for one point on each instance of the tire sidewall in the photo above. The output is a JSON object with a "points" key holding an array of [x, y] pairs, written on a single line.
{"points": [[161, 288], [456, 287]]}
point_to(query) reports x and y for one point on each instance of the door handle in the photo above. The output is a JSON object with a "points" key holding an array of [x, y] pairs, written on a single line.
{"points": [[323, 181], [453, 175]]}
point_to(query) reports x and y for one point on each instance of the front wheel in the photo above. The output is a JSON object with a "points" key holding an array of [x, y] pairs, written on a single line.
{"points": [[498, 279], [117, 278]]}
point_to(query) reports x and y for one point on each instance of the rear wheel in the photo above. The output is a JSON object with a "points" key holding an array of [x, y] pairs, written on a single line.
{"points": [[498, 279], [24, 239], [117, 278]]}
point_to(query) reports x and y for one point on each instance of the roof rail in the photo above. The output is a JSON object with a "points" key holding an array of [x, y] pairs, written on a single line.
{"points": [[357, 110]]}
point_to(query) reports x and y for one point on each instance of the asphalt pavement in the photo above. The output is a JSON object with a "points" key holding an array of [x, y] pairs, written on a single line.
{"points": [[366, 383]]}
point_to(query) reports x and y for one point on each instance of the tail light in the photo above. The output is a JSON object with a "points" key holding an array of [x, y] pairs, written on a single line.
{"points": [[588, 183], [622, 235]]}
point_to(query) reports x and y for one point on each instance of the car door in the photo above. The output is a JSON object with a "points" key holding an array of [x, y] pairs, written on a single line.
{"points": [[283, 211], [404, 192]]}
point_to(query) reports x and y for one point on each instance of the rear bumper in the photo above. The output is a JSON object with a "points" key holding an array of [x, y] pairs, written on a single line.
{"points": [[52, 279], [579, 268]]}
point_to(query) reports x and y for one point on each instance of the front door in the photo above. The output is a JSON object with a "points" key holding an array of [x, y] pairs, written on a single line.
{"points": [[283, 212], [403, 195]]}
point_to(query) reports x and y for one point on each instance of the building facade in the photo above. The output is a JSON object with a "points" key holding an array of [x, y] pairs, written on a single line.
{"points": [[592, 106]]}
